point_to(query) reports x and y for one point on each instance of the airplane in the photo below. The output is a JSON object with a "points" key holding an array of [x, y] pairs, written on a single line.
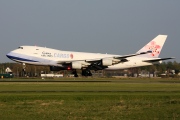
{"points": [[69, 60]]}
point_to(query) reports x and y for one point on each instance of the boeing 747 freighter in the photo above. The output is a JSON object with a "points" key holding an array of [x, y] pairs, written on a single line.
{"points": [[69, 60]]}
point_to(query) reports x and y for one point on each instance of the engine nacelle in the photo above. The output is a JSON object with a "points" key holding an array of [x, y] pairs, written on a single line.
{"points": [[76, 65], [107, 62], [158, 62]]}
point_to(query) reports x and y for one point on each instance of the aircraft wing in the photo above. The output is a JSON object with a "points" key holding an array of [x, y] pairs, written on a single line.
{"points": [[121, 58], [101, 63], [131, 55], [98, 64], [158, 59]]}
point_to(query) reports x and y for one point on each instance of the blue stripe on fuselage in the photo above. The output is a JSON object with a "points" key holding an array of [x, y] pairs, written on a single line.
{"points": [[20, 59]]}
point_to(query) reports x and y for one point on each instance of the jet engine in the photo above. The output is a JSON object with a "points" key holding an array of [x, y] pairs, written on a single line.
{"points": [[76, 65], [107, 62]]}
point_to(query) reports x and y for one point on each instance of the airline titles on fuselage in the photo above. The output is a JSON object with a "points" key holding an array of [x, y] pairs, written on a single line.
{"points": [[46, 54], [56, 55]]}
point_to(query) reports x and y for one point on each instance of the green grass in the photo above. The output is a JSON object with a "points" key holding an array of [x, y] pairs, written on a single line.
{"points": [[121, 100]]}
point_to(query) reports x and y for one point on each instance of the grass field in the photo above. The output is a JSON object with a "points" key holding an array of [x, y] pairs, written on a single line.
{"points": [[120, 99]]}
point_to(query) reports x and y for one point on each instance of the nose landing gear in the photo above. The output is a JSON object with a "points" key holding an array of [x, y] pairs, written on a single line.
{"points": [[24, 69]]}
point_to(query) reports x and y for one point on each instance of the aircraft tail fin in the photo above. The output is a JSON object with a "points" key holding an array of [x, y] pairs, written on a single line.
{"points": [[155, 46]]}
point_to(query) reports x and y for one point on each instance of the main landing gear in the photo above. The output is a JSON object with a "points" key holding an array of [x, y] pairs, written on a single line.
{"points": [[85, 73], [75, 73]]}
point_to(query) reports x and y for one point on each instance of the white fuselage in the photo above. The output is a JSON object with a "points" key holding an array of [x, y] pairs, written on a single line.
{"points": [[52, 57]]}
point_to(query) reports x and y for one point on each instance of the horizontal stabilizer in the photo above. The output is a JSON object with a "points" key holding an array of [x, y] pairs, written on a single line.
{"points": [[158, 59]]}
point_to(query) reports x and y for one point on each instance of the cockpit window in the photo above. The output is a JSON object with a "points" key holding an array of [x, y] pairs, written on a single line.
{"points": [[20, 47]]}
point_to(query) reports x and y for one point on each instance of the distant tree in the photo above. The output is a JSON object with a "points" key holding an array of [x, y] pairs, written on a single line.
{"points": [[33, 70], [176, 66], [161, 68]]}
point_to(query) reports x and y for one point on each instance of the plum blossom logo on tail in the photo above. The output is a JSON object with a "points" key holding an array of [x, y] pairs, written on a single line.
{"points": [[154, 47], [71, 56]]}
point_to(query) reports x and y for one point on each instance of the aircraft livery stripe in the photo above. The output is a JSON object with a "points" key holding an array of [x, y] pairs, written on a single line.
{"points": [[21, 59]]}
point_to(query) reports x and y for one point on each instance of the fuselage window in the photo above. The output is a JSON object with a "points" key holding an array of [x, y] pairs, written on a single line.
{"points": [[20, 47]]}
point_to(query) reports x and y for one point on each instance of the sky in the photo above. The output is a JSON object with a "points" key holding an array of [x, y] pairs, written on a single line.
{"points": [[99, 26]]}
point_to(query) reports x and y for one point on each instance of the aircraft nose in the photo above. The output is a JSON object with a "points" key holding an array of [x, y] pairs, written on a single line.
{"points": [[9, 55]]}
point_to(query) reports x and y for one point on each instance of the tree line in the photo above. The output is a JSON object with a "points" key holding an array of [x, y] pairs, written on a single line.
{"points": [[35, 71]]}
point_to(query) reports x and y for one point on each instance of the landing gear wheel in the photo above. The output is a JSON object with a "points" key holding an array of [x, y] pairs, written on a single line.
{"points": [[86, 73], [75, 73]]}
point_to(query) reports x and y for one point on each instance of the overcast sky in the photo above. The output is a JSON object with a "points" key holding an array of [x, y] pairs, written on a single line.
{"points": [[102, 26]]}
